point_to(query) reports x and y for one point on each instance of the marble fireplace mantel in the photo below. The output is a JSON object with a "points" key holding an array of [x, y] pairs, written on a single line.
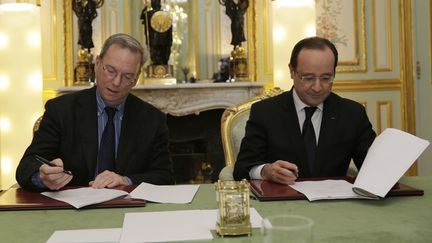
{"points": [[186, 99]]}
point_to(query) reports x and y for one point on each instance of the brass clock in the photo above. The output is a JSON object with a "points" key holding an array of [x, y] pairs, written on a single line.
{"points": [[233, 216]]}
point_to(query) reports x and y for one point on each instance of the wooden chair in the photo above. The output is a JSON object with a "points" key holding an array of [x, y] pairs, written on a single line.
{"points": [[37, 124], [233, 125]]}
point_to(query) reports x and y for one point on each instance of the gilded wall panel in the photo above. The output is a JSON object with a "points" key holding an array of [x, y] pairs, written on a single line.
{"points": [[343, 22], [384, 115], [382, 106], [382, 35]]}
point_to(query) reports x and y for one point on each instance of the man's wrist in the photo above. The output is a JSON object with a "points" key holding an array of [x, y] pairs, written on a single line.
{"points": [[255, 172], [126, 180], [36, 180]]}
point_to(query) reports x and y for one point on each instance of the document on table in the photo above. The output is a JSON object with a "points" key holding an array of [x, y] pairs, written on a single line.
{"points": [[183, 225], [86, 236], [326, 189], [388, 158], [85, 196], [165, 194], [152, 227]]}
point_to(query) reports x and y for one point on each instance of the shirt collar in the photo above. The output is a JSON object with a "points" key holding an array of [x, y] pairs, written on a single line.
{"points": [[101, 105], [299, 105]]}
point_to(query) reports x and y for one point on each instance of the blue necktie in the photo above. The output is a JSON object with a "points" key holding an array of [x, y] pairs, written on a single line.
{"points": [[106, 156], [310, 139]]}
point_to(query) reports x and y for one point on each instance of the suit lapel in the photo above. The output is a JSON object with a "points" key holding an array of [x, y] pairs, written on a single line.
{"points": [[86, 114], [295, 139], [327, 131], [127, 135]]}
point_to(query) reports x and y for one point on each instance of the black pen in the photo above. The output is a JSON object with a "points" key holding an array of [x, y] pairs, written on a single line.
{"points": [[295, 172], [47, 162]]}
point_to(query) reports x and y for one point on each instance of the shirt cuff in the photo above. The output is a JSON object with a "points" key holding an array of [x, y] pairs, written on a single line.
{"points": [[37, 181], [128, 180], [255, 172]]}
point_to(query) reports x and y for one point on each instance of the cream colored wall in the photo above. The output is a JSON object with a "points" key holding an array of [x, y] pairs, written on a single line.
{"points": [[20, 84], [290, 24]]}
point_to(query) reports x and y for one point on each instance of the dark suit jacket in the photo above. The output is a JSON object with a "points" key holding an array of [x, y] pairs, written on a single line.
{"points": [[273, 133], [69, 131]]}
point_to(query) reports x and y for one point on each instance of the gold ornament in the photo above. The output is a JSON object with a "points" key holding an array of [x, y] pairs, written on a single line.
{"points": [[161, 21]]}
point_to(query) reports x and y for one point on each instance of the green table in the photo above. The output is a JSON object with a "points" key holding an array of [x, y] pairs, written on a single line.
{"points": [[396, 219]]}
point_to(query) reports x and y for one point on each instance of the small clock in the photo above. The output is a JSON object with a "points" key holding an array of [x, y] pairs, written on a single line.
{"points": [[234, 209], [161, 21]]}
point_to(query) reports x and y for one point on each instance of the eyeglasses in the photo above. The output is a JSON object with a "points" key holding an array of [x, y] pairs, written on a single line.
{"points": [[111, 72], [310, 79]]}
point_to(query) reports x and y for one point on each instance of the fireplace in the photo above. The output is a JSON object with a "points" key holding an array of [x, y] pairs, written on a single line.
{"points": [[195, 146]]}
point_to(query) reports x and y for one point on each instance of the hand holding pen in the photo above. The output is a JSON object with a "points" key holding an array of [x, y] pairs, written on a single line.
{"points": [[52, 173], [280, 171], [47, 162]]}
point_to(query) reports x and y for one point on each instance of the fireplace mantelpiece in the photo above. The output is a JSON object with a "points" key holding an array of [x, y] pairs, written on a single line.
{"points": [[186, 99]]}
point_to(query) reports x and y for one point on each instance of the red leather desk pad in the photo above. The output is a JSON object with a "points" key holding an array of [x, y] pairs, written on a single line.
{"points": [[269, 191], [22, 199]]}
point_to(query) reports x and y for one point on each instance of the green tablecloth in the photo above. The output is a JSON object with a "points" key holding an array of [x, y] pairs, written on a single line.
{"points": [[396, 219]]}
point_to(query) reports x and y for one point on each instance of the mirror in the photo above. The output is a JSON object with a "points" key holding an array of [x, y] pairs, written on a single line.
{"points": [[201, 34]]}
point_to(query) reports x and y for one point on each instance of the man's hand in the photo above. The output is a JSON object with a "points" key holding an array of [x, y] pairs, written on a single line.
{"points": [[108, 179], [280, 171], [53, 177]]}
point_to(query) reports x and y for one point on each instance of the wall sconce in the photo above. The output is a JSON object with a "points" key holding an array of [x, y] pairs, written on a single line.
{"points": [[20, 82]]}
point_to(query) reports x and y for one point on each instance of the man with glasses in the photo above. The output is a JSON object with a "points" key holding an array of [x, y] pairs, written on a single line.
{"points": [[308, 131], [103, 136]]}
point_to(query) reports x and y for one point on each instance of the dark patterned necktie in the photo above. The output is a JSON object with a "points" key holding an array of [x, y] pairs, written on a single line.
{"points": [[106, 156], [310, 139]]}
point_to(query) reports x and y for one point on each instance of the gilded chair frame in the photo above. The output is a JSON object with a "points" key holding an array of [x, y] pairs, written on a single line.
{"points": [[37, 124], [229, 118]]}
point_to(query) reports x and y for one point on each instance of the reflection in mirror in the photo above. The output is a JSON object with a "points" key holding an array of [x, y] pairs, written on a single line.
{"points": [[201, 34]]}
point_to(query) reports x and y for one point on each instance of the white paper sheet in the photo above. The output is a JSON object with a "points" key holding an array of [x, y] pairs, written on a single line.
{"points": [[389, 157], [165, 194], [86, 236], [184, 225], [85, 196], [326, 189]]}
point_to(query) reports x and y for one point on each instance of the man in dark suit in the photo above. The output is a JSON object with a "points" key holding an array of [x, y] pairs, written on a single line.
{"points": [[275, 146], [73, 125]]}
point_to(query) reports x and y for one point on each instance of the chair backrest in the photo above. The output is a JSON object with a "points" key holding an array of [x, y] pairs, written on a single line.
{"points": [[233, 124]]}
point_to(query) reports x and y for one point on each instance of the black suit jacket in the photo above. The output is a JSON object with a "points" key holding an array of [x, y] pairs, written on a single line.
{"points": [[69, 131], [273, 133]]}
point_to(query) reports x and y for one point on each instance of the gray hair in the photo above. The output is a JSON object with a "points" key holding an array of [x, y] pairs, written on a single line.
{"points": [[125, 41]]}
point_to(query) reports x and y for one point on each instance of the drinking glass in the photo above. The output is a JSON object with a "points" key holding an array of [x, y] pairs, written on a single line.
{"points": [[287, 228]]}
